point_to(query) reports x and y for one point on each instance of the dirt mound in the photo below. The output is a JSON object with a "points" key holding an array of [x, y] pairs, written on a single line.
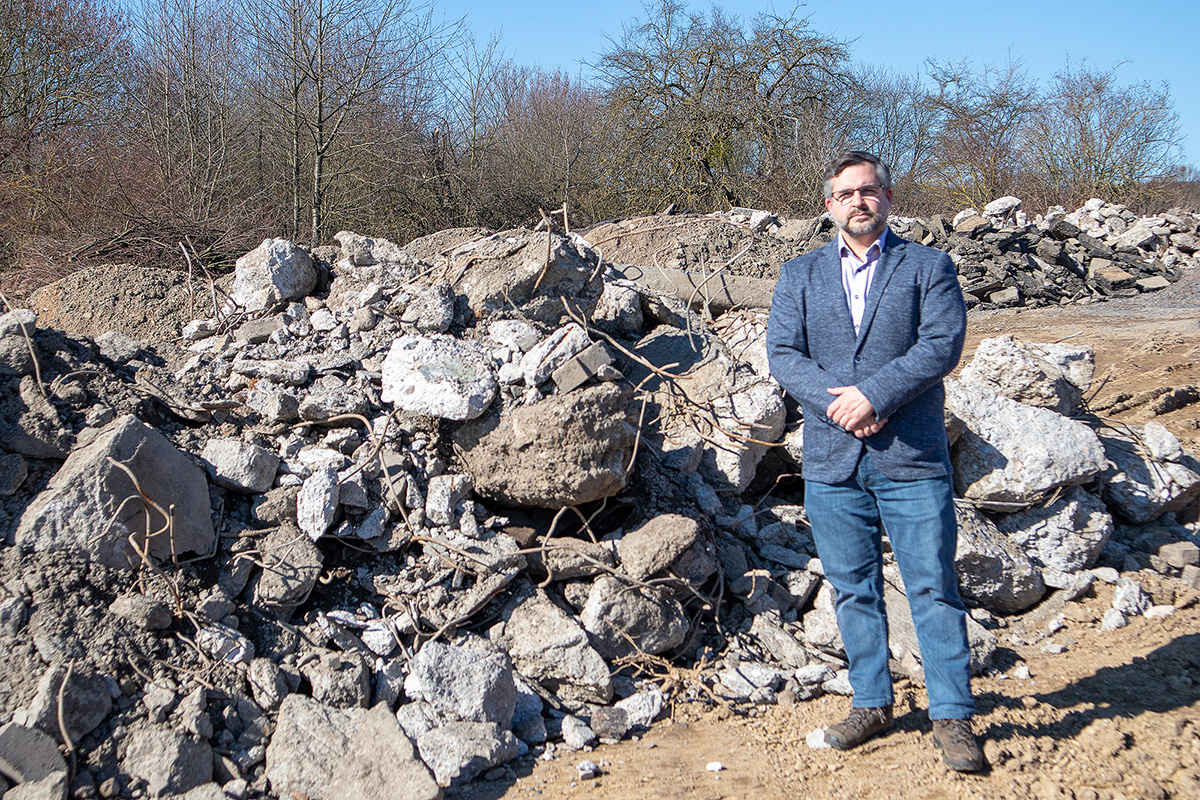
{"points": [[433, 247], [702, 244], [144, 303]]}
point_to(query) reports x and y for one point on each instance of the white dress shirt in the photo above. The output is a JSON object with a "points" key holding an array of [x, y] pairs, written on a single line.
{"points": [[857, 274]]}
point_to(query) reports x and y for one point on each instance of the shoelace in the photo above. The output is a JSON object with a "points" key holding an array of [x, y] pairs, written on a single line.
{"points": [[957, 732], [862, 718]]}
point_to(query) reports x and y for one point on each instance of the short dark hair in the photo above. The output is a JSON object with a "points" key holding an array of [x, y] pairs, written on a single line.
{"points": [[850, 158]]}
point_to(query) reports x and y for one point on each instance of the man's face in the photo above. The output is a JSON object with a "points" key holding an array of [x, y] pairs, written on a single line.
{"points": [[858, 214]]}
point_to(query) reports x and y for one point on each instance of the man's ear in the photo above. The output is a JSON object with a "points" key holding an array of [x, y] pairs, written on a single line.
{"points": [[829, 201]]}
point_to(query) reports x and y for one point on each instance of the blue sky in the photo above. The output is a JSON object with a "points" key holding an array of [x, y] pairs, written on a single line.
{"points": [[1157, 42]]}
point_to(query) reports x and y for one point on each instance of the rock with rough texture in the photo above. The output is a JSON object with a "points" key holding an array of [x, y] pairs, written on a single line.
{"points": [[643, 707], [225, 644], [1002, 207], [437, 376], [667, 543], [276, 271], [746, 678], [339, 679], [564, 450], [1139, 486], [309, 741], [117, 347], [144, 612], [317, 502], [1017, 370], [380, 763], [576, 734], [31, 758], [513, 333], [746, 420], [820, 623], [552, 352], [991, 569], [291, 566], [564, 559], [625, 619], [267, 683], [783, 645], [1065, 536], [444, 499], [459, 751], [1130, 599], [1160, 443], [85, 702], [432, 310], [619, 310], [287, 373], [84, 506], [169, 761], [548, 646], [239, 465], [1077, 363], [517, 268], [1010, 455], [463, 683]]}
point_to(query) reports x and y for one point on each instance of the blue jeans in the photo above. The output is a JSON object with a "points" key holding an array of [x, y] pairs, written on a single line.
{"points": [[919, 519]]}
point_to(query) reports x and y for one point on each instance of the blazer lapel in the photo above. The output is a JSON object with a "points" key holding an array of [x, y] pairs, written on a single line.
{"points": [[893, 254]]}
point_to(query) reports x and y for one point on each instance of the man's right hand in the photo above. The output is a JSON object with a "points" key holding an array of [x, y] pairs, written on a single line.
{"points": [[870, 429]]}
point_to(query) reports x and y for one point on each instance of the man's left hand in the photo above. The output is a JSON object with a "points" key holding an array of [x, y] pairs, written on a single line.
{"points": [[853, 411]]}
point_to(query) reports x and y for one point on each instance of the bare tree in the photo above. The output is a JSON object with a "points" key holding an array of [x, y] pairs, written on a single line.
{"points": [[190, 100], [1098, 138], [60, 62], [326, 62], [983, 122], [702, 111]]}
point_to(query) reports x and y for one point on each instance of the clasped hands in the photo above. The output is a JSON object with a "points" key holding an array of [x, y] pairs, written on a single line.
{"points": [[854, 412]]}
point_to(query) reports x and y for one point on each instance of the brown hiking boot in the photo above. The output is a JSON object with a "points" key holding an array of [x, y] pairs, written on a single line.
{"points": [[960, 749], [862, 724]]}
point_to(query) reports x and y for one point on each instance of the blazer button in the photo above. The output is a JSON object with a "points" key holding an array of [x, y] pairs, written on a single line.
{"points": [[858, 359]]}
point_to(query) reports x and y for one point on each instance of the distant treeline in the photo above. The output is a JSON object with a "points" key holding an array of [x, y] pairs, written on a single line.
{"points": [[299, 118]]}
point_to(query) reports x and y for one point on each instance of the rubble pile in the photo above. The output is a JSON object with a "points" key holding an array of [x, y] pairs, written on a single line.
{"points": [[406, 514], [1004, 258]]}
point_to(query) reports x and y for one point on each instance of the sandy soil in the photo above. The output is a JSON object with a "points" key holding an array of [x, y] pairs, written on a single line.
{"points": [[1117, 715]]}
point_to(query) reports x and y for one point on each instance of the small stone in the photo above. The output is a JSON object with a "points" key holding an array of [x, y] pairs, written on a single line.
{"points": [[1113, 619], [144, 612], [576, 734], [587, 769], [816, 740], [714, 766]]}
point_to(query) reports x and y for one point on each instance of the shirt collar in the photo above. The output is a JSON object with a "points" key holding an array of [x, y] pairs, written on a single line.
{"points": [[844, 248]]}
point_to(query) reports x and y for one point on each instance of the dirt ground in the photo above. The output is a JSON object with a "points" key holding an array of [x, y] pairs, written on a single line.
{"points": [[1117, 715]]}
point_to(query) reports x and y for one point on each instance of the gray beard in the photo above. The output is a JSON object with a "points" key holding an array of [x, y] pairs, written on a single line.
{"points": [[874, 225]]}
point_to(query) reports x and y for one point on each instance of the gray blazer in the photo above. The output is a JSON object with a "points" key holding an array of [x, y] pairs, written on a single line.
{"points": [[911, 336]]}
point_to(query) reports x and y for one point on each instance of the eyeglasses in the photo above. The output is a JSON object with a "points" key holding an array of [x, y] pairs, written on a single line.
{"points": [[869, 192]]}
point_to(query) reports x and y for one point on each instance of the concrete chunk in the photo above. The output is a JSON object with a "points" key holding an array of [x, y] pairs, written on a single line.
{"points": [[239, 465], [380, 763], [437, 376], [83, 498]]}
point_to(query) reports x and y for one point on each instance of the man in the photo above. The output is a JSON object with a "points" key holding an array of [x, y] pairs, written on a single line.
{"points": [[862, 332]]}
